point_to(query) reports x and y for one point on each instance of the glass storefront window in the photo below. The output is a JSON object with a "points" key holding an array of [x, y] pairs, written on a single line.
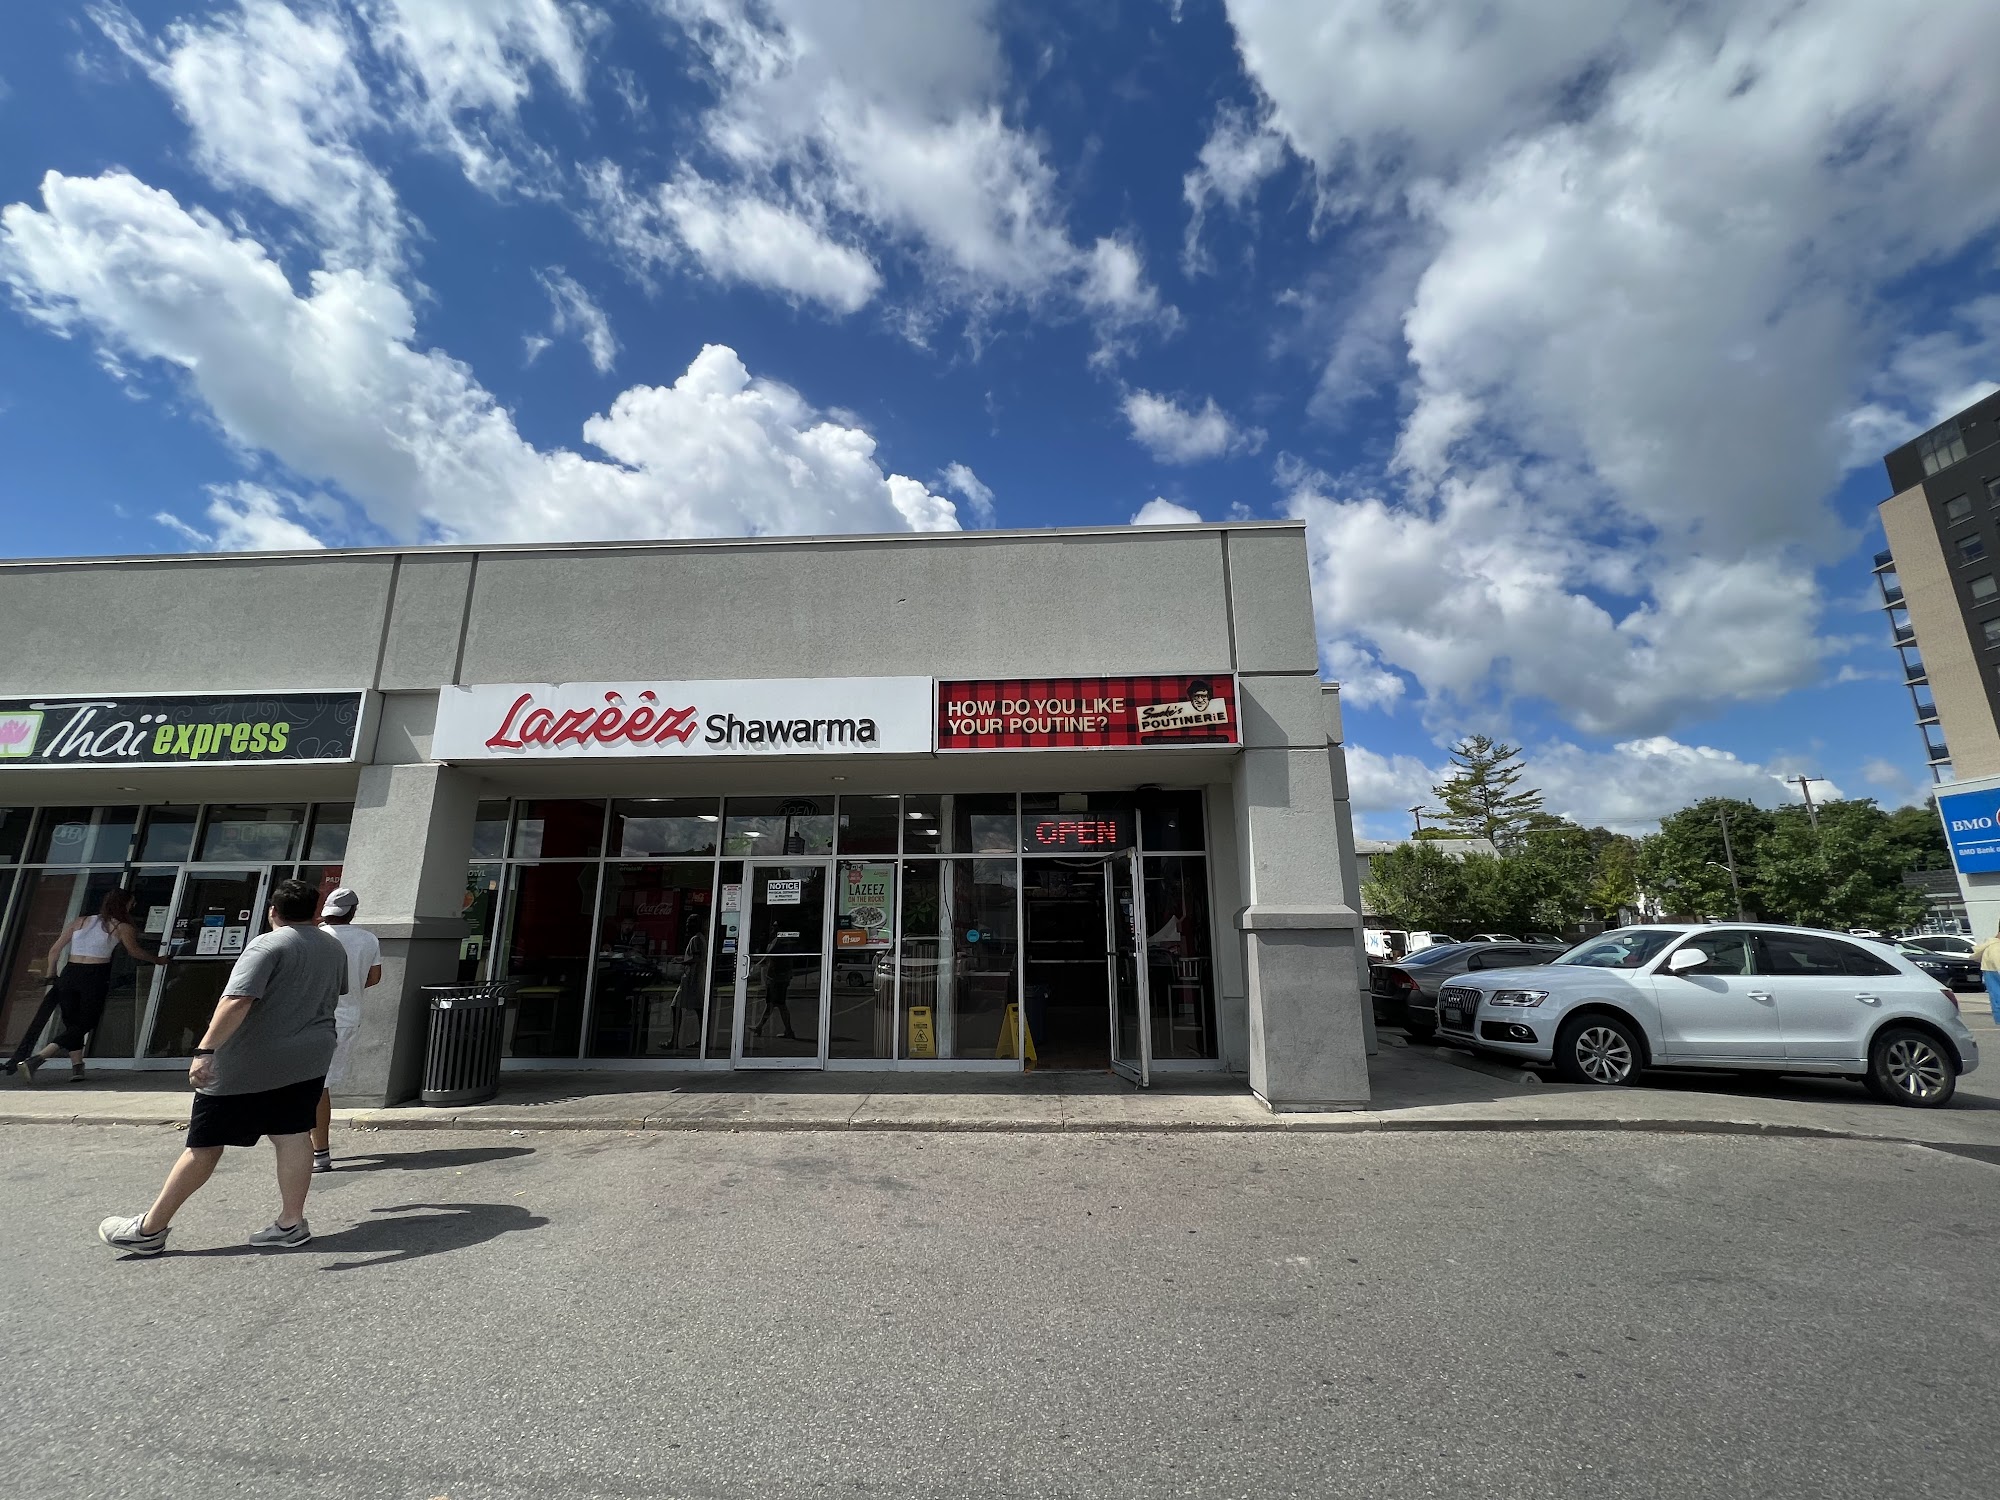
{"points": [[983, 823], [14, 832], [652, 960], [775, 827], [50, 901], [219, 911], [664, 825], [84, 836], [958, 955], [548, 951], [482, 912], [558, 830], [1180, 968], [1171, 821], [117, 1035], [255, 835], [863, 1023], [169, 835], [489, 831], [923, 824], [868, 825], [331, 822], [722, 970]]}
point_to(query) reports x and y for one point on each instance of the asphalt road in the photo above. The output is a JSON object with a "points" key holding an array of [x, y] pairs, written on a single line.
{"points": [[492, 1318]]}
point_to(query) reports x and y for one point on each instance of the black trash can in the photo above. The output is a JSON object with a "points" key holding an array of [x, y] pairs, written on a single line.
{"points": [[468, 1028]]}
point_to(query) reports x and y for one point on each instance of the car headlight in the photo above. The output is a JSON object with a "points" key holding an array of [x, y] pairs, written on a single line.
{"points": [[1526, 999]]}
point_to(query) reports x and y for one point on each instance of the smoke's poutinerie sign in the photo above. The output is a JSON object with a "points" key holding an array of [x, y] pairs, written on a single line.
{"points": [[1064, 713], [179, 730]]}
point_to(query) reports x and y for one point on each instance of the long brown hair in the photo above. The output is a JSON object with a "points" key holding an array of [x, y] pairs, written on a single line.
{"points": [[116, 910]]}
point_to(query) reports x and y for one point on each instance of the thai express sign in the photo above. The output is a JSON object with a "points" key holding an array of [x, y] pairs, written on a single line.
{"points": [[1062, 713], [624, 720], [178, 730]]}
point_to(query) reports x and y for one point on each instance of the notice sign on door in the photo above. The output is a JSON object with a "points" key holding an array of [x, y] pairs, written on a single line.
{"points": [[1070, 713], [784, 892]]}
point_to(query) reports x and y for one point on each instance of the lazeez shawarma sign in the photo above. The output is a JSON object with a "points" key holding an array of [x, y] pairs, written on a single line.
{"points": [[181, 729], [619, 720]]}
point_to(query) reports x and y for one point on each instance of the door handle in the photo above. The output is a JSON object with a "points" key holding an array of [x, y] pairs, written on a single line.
{"points": [[1867, 999], [1760, 994]]}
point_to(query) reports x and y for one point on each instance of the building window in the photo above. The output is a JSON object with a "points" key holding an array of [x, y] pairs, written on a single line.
{"points": [[1941, 449], [1971, 548], [1992, 630], [1983, 588], [1993, 492], [1958, 508]]}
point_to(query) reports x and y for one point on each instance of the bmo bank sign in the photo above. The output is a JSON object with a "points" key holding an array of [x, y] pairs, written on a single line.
{"points": [[1972, 825]]}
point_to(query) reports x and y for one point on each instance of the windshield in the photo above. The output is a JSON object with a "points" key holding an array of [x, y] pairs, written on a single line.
{"points": [[1629, 949], [1433, 954]]}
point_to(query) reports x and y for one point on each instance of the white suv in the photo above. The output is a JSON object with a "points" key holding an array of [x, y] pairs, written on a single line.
{"points": [[1731, 995]]}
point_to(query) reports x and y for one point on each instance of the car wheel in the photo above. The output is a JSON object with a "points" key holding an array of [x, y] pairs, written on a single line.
{"points": [[1597, 1049], [1907, 1066]]}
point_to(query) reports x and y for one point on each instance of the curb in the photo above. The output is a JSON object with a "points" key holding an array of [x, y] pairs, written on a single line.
{"points": [[1277, 1126]]}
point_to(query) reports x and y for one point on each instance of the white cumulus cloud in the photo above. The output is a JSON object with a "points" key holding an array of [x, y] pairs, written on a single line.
{"points": [[1160, 511], [335, 385], [1177, 434], [245, 517]]}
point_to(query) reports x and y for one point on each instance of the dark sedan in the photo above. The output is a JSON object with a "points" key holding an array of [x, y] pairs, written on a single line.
{"points": [[1405, 993], [1951, 969]]}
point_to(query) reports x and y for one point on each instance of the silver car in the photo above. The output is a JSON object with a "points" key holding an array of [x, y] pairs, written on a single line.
{"points": [[1737, 996]]}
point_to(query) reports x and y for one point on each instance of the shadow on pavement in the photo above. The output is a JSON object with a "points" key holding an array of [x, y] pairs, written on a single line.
{"points": [[421, 1229], [426, 1161]]}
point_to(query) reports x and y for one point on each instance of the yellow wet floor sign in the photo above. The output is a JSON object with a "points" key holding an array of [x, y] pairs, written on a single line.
{"points": [[1009, 1019], [923, 1040]]}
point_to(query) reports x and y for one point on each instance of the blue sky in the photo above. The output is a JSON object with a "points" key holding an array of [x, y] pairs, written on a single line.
{"points": [[1575, 330]]}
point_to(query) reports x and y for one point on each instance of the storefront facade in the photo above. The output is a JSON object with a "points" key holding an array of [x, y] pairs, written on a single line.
{"points": [[1048, 800]]}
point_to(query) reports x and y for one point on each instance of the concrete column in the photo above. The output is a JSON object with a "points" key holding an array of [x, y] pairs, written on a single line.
{"points": [[1301, 924], [406, 859]]}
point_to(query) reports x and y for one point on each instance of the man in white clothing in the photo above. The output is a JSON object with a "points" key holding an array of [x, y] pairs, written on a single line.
{"points": [[364, 969]]}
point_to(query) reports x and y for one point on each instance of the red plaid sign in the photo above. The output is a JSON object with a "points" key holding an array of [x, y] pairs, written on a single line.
{"points": [[1065, 713]]}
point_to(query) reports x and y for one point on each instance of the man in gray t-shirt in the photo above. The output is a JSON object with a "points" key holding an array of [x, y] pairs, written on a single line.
{"points": [[259, 1071]]}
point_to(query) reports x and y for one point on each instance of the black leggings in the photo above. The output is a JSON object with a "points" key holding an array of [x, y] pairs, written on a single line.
{"points": [[78, 995]]}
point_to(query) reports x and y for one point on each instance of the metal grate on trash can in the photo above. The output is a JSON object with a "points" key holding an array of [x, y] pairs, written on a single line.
{"points": [[468, 1029]]}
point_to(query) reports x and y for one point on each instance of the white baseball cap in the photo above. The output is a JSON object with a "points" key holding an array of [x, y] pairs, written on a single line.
{"points": [[340, 903]]}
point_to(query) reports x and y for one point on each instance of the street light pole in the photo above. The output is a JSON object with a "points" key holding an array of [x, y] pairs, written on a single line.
{"points": [[1728, 853]]}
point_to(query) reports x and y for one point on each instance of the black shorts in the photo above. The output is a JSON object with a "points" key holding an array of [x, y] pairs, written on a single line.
{"points": [[240, 1119]]}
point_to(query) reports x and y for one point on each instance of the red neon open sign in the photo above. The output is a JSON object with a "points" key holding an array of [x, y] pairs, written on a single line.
{"points": [[1079, 833]]}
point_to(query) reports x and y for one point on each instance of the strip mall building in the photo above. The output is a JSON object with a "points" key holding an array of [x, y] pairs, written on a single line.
{"points": [[1061, 799]]}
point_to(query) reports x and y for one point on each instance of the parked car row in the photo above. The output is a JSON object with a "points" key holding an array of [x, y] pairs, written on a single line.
{"points": [[1742, 997]]}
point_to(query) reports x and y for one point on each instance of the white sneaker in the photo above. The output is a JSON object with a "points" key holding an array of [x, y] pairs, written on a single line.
{"points": [[127, 1235]]}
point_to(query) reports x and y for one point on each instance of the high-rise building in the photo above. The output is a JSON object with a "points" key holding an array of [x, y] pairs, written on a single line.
{"points": [[1940, 581]]}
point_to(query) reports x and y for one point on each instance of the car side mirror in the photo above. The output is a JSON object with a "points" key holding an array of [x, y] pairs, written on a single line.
{"points": [[1683, 959]]}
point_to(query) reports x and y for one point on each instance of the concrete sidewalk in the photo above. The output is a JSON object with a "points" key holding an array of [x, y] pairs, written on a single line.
{"points": [[1414, 1088]]}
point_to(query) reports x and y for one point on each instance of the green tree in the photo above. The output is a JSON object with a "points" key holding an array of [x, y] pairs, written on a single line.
{"points": [[1419, 885], [1684, 865], [1482, 796], [1847, 872], [1614, 878]]}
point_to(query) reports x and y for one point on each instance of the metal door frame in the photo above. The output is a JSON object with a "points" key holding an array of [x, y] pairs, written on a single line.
{"points": [[743, 956], [142, 1042], [1142, 1073]]}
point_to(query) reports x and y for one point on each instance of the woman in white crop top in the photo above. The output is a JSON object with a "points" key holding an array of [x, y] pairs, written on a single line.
{"points": [[78, 993]]}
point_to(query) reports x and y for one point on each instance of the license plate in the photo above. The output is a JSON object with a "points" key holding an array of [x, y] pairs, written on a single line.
{"points": [[1456, 1013]]}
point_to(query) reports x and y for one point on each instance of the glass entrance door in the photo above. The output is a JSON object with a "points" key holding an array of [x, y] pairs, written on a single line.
{"points": [[215, 913], [781, 970], [1131, 1052]]}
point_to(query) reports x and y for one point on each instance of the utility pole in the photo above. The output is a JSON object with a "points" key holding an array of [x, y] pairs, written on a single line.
{"points": [[1418, 813], [1728, 853], [1804, 784]]}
